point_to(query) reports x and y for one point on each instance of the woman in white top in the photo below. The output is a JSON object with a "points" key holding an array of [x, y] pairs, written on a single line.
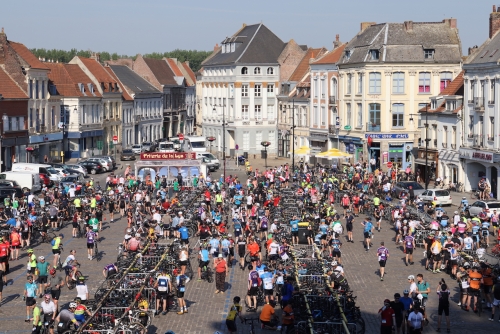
{"points": [[81, 288], [183, 259], [413, 286]]}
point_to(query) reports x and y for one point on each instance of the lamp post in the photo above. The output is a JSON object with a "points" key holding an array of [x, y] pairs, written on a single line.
{"points": [[265, 144], [210, 139], [223, 137], [293, 132], [426, 145]]}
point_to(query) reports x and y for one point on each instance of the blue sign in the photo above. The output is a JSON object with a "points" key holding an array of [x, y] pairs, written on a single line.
{"points": [[337, 121], [387, 135]]}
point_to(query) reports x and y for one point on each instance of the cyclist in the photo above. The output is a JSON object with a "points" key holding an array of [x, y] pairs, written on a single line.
{"points": [[203, 258], [91, 236], [30, 289], [109, 270], [80, 310], [69, 266], [56, 245], [55, 283], [82, 289], [43, 271], [234, 311], [475, 279], [49, 311], [143, 305], [95, 225], [181, 281], [241, 251], [268, 317], [367, 231], [163, 285], [37, 316], [66, 317]]}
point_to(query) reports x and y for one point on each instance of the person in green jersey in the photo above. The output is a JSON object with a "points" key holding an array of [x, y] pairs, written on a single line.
{"points": [[175, 185], [36, 319], [95, 225], [195, 182]]}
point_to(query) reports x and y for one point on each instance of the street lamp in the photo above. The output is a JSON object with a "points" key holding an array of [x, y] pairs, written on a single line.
{"points": [[265, 144], [210, 139], [293, 132], [223, 136], [426, 145]]}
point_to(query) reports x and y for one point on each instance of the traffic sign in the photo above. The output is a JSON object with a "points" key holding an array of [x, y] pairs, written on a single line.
{"points": [[115, 140], [181, 136], [389, 164], [236, 147]]}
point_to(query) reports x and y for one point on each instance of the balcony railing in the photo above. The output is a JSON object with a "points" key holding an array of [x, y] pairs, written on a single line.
{"points": [[373, 127], [491, 138], [479, 104], [332, 100]]}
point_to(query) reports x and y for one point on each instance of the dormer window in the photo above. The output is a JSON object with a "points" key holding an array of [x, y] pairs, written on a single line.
{"points": [[347, 55], [429, 53], [233, 47], [374, 54], [244, 70], [270, 70], [433, 104], [82, 87], [256, 70]]}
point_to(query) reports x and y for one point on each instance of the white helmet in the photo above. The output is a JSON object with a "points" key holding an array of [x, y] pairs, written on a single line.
{"points": [[411, 277], [334, 263], [72, 305]]}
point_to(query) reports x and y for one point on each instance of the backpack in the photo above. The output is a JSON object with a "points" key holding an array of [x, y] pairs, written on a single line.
{"points": [[53, 242], [162, 284]]}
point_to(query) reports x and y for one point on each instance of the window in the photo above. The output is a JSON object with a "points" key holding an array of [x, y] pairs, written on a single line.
{"points": [[304, 117], [244, 70], [445, 80], [270, 138], [246, 141], [453, 136], [398, 83], [31, 116], [471, 125], [233, 47], [348, 114], [315, 116], [257, 90], [347, 55], [36, 89], [324, 117], [333, 92], [258, 112], [323, 88], [43, 89], [360, 115], [360, 83], [270, 113], [270, 70], [375, 79], [374, 54], [491, 136], [421, 106], [31, 88], [244, 113], [428, 53], [424, 82], [349, 82], [20, 123], [374, 115], [472, 90], [258, 139], [492, 92], [315, 87], [244, 90], [398, 115], [270, 90], [53, 116], [256, 70]]}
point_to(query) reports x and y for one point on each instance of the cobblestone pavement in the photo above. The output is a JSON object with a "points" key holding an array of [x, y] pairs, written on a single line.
{"points": [[207, 310]]}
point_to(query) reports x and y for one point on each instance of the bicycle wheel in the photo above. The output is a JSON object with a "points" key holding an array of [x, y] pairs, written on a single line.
{"points": [[210, 276]]}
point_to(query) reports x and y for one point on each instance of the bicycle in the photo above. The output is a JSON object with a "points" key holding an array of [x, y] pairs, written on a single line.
{"points": [[206, 274], [96, 252], [252, 327]]}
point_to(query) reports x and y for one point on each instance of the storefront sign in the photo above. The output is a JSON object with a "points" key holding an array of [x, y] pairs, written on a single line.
{"points": [[476, 155], [168, 156], [376, 136], [385, 157]]}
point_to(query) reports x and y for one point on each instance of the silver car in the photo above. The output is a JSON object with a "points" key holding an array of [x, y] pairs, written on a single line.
{"points": [[106, 164], [478, 206], [136, 149]]}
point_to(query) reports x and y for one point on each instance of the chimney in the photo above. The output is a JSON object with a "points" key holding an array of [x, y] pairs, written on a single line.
{"points": [[452, 23], [216, 46], [365, 25], [187, 63], [3, 37], [494, 21], [473, 50], [337, 42], [408, 26]]}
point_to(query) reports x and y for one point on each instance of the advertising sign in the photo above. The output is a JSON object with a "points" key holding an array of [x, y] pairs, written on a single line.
{"points": [[168, 156]]}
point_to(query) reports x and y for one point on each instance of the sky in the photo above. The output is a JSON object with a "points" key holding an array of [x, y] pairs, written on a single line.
{"points": [[145, 26]]}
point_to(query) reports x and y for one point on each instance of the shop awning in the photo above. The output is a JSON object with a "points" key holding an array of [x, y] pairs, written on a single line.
{"points": [[422, 162]]}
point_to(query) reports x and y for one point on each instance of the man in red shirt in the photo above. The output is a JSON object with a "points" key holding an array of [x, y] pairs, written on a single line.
{"points": [[387, 318], [276, 200]]}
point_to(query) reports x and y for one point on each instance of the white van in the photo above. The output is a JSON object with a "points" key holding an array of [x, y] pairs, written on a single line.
{"points": [[210, 156], [193, 144], [177, 143], [27, 167], [166, 147], [29, 181]]}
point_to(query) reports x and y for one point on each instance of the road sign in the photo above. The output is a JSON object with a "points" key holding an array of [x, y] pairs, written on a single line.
{"points": [[236, 147], [181, 136], [389, 164], [115, 140]]}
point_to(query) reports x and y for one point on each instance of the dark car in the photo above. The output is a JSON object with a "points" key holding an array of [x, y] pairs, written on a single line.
{"points": [[92, 167], [8, 191], [71, 179], [127, 154], [405, 185], [9, 184]]}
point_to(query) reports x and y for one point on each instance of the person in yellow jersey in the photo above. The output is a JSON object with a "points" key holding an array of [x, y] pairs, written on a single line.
{"points": [[78, 204], [93, 203], [234, 311], [376, 200], [36, 319]]}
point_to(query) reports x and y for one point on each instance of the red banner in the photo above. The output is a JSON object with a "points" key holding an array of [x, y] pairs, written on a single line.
{"points": [[168, 156]]}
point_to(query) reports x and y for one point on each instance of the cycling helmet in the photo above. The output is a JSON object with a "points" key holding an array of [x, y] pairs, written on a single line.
{"points": [[78, 300], [411, 277], [52, 271], [406, 292], [334, 263], [466, 265], [81, 278], [41, 257], [72, 305]]}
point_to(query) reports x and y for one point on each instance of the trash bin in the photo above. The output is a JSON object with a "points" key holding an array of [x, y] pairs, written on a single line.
{"points": [[263, 154], [303, 233]]}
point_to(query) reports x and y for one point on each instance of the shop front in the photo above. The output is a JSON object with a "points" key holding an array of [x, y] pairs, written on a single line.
{"points": [[478, 164], [318, 142], [432, 164], [84, 144], [14, 150], [394, 147], [449, 167], [354, 146], [47, 147]]}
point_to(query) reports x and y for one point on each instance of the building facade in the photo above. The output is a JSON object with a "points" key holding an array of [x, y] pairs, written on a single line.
{"points": [[239, 86], [387, 73]]}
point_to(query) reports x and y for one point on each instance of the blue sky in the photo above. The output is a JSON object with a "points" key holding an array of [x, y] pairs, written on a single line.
{"points": [[144, 26]]}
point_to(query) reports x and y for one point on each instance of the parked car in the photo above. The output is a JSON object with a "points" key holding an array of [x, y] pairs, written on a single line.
{"points": [[211, 166], [146, 146], [9, 184], [127, 154], [405, 185], [71, 179], [106, 164], [79, 169], [8, 191], [92, 167], [136, 149], [476, 207], [209, 156], [109, 158], [46, 179], [66, 172], [440, 196], [58, 165], [54, 175]]}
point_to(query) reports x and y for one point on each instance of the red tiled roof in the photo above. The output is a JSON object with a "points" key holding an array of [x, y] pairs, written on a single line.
{"points": [[189, 71], [126, 95], [61, 79], [331, 57], [173, 65], [456, 87], [161, 71], [27, 56], [8, 87], [99, 72], [78, 76], [303, 66]]}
